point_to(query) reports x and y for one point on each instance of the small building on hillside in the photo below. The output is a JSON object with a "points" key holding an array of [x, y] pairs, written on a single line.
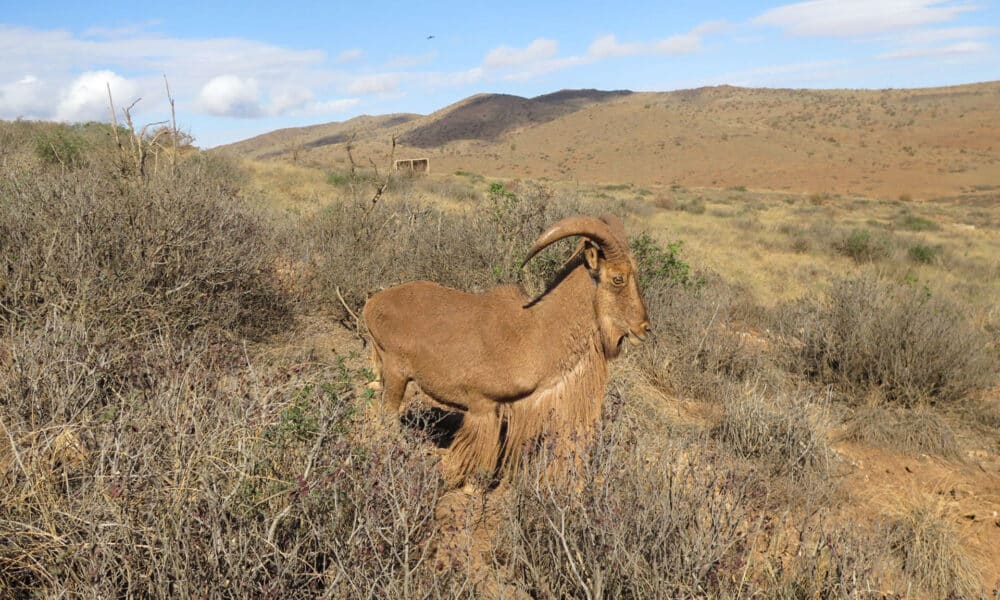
{"points": [[413, 165]]}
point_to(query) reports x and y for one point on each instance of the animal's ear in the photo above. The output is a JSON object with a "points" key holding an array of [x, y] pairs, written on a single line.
{"points": [[577, 251], [590, 255]]}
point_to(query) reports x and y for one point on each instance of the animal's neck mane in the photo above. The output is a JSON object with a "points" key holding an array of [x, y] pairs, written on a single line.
{"points": [[567, 406], [570, 405], [568, 312]]}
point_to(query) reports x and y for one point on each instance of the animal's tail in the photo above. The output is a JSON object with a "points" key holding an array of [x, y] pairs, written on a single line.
{"points": [[360, 327]]}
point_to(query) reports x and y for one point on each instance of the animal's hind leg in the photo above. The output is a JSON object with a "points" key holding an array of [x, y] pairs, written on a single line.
{"points": [[393, 388], [376, 382]]}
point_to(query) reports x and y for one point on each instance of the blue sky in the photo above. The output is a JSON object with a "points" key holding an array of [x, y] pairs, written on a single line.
{"points": [[247, 68]]}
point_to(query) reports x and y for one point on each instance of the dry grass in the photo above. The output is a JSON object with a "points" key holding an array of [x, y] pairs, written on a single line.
{"points": [[359, 247], [150, 448], [928, 545], [911, 345], [646, 516], [788, 432], [916, 430], [702, 341]]}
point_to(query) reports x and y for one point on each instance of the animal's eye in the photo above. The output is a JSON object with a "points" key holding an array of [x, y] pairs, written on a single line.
{"points": [[618, 280]]}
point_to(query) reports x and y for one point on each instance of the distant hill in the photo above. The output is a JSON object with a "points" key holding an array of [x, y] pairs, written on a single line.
{"points": [[915, 142], [487, 117], [283, 141]]}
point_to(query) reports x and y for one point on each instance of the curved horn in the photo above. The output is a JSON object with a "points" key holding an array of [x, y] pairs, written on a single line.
{"points": [[616, 226], [588, 227]]}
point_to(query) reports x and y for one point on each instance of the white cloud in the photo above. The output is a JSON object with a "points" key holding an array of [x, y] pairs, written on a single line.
{"points": [[230, 96], [539, 57], [229, 77], [608, 46], [505, 56], [547, 66], [129, 29], [946, 34], [57, 57], [86, 99], [24, 98], [960, 48], [848, 18], [685, 43], [288, 99], [379, 83], [452, 79], [351, 55], [407, 61], [332, 106], [709, 27]]}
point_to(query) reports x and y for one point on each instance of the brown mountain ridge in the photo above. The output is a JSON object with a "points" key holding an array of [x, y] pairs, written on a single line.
{"points": [[922, 143]]}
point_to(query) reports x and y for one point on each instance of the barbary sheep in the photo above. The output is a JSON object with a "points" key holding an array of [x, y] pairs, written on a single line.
{"points": [[516, 367]]}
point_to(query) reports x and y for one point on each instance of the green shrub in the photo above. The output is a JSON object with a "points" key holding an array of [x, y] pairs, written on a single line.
{"points": [[335, 178], [863, 246], [658, 265], [60, 145], [914, 222], [924, 254]]}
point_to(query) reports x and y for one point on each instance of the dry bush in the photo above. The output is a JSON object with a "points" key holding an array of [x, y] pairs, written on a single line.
{"points": [[908, 430], [700, 342], [906, 343], [215, 474], [452, 188], [178, 252], [631, 524], [647, 516], [359, 247], [149, 450], [929, 548], [786, 431], [665, 201], [40, 146], [814, 560]]}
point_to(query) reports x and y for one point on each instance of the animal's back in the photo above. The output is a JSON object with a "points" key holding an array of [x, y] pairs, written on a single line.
{"points": [[454, 344], [423, 308]]}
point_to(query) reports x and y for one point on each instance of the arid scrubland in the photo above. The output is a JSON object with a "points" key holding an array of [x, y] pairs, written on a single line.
{"points": [[183, 410]]}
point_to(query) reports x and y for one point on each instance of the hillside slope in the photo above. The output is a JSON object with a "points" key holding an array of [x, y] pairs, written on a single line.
{"points": [[918, 142]]}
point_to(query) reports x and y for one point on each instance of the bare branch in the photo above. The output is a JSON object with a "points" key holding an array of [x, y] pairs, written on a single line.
{"points": [[173, 126]]}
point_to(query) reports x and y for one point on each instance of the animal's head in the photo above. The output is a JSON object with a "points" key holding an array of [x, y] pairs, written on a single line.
{"points": [[621, 312]]}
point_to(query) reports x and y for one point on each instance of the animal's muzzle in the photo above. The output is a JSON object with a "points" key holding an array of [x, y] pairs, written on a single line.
{"points": [[640, 333]]}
